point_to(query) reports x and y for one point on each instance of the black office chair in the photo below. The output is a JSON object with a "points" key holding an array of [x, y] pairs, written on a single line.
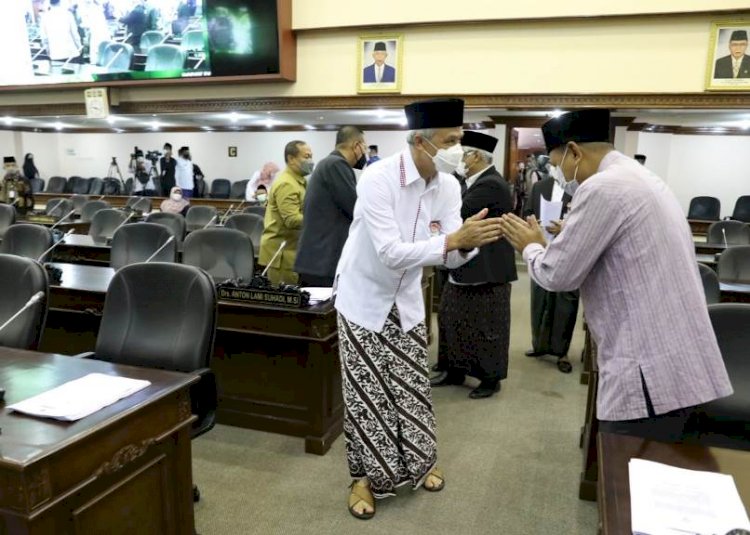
{"points": [[57, 184], [37, 185], [79, 185], [20, 279], [737, 233], [734, 265], [199, 188], [742, 209], [58, 207], [726, 421], [142, 204], [105, 222], [30, 241], [78, 202], [111, 186], [238, 189], [198, 217], [221, 188], [96, 186], [7, 217], [140, 242], [710, 284], [128, 187], [224, 253], [175, 223], [256, 209], [170, 310], [705, 208], [250, 224], [91, 208]]}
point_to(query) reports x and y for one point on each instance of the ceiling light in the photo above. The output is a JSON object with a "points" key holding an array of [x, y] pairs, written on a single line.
{"points": [[155, 125], [58, 125], [321, 118], [380, 113], [556, 113], [8, 120], [207, 128], [403, 121], [234, 117], [309, 127], [111, 119], [269, 123]]}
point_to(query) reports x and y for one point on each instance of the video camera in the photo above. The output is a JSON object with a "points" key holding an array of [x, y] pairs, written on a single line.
{"points": [[152, 155]]}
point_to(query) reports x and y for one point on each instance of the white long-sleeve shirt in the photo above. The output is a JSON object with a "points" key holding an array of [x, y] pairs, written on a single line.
{"points": [[390, 241], [183, 174], [60, 33]]}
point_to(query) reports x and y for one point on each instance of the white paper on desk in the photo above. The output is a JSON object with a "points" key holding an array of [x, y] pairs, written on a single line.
{"points": [[81, 397], [318, 294], [549, 211], [665, 500]]}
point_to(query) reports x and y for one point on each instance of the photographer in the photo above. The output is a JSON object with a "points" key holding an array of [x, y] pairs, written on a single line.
{"points": [[167, 165], [143, 184]]}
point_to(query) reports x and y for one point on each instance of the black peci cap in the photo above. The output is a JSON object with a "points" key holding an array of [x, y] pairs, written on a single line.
{"points": [[583, 126], [436, 113], [479, 140]]}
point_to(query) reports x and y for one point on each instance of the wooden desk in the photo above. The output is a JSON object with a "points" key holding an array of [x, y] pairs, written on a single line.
{"points": [[277, 368], [78, 227], [710, 260], [734, 292], [699, 227], [83, 249], [708, 248], [124, 469], [119, 201], [615, 451]]}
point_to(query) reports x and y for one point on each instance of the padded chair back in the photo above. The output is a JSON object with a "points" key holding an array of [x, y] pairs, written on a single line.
{"points": [[175, 223], [220, 188], [159, 315], [710, 284], [193, 41], [79, 185], [138, 242], [198, 217], [7, 217], [224, 253], [96, 186], [705, 208], [238, 189], [730, 321], [78, 202], [105, 222], [100, 52], [742, 209], [128, 187], [111, 186], [150, 39], [57, 184], [257, 210], [165, 58], [734, 265], [37, 185], [200, 188], [142, 204], [250, 224], [737, 233], [92, 207], [20, 279], [58, 207], [29, 241], [117, 57]]}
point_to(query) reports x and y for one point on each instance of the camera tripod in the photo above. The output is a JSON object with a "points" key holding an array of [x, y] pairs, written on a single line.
{"points": [[115, 168]]}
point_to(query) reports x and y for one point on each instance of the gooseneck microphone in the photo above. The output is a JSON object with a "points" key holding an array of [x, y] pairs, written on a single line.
{"points": [[277, 253], [30, 303], [58, 242], [160, 249]]}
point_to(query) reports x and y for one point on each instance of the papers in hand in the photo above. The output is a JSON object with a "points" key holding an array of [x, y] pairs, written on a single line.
{"points": [[666, 500], [318, 295], [79, 398], [549, 211]]}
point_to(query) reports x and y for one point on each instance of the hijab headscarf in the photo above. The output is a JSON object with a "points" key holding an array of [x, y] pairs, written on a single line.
{"points": [[29, 169], [267, 174], [172, 206]]}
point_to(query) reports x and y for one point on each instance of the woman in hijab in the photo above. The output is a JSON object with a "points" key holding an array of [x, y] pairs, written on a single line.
{"points": [[263, 177], [29, 169], [176, 204]]}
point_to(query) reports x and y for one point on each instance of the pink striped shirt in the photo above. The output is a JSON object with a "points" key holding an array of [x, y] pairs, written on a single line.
{"points": [[627, 245]]}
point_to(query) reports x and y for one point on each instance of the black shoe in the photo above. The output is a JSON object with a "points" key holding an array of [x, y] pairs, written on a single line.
{"points": [[532, 353], [448, 379], [564, 365], [485, 390]]}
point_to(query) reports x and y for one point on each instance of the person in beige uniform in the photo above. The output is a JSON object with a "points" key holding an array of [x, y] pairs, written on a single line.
{"points": [[283, 219]]}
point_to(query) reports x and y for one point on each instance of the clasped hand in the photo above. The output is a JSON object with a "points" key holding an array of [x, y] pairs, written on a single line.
{"points": [[520, 233], [476, 232]]}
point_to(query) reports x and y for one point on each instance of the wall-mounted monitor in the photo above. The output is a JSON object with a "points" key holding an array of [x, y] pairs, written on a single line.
{"points": [[114, 42]]}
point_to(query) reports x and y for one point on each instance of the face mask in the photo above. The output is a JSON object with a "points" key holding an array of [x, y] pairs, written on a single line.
{"points": [[571, 186], [461, 169], [261, 197], [447, 160], [176, 196], [361, 162], [306, 167]]}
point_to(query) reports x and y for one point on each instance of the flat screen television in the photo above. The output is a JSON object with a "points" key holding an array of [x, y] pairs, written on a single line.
{"points": [[114, 42]]}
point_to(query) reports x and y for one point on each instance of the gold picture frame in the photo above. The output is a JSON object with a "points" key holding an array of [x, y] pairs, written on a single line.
{"points": [[723, 74], [382, 73]]}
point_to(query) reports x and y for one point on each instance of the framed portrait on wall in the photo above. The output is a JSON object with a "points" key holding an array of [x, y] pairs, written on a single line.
{"points": [[379, 66], [728, 60]]}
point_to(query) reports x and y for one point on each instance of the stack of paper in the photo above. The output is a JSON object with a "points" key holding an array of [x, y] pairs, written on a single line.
{"points": [[79, 398], [669, 501], [318, 295]]}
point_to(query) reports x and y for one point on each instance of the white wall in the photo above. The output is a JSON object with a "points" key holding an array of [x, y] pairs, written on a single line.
{"points": [[658, 151]]}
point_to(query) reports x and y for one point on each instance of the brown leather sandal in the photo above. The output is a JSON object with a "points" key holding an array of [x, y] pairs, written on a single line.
{"points": [[437, 473], [361, 491]]}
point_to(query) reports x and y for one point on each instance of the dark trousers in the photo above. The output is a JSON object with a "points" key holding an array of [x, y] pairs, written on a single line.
{"points": [[315, 281], [146, 193]]}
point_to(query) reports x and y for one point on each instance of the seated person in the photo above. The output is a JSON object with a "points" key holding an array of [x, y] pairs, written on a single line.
{"points": [[176, 204], [261, 195]]}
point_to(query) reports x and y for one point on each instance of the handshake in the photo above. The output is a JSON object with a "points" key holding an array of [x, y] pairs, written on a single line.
{"points": [[478, 230]]}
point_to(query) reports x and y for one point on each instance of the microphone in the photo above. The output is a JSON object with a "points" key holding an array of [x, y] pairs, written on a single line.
{"points": [[277, 253], [240, 205], [226, 214], [30, 303], [211, 221], [724, 233], [123, 222], [66, 216], [160, 249], [58, 242], [57, 205]]}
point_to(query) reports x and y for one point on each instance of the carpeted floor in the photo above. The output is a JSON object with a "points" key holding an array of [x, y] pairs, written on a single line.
{"points": [[512, 464]]}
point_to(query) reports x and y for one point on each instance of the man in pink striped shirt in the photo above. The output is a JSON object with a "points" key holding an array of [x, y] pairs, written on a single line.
{"points": [[627, 245]]}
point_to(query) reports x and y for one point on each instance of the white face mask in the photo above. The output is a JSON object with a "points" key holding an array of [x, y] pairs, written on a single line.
{"points": [[461, 169], [571, 186], [447, 160], [261, 197], [176, 196]]}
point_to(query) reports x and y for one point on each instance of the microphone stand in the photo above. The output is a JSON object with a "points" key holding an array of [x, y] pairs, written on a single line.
{"points": [[277, 253], [724, 233], [49, 212], [66, 216], [226, 214], [31, 302], [160, 249], [58, 242], [211, 221]]}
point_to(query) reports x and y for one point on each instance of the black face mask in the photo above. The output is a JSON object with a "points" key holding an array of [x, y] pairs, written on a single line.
{"points": [[360, 164]]}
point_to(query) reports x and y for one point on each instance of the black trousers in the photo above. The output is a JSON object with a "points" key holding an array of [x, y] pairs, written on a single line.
{"points": [[315, 281]]}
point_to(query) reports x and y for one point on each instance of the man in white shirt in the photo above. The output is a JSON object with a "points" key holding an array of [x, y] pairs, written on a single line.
{"points": [[389, 423], [183, 174], [60, 32]]}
